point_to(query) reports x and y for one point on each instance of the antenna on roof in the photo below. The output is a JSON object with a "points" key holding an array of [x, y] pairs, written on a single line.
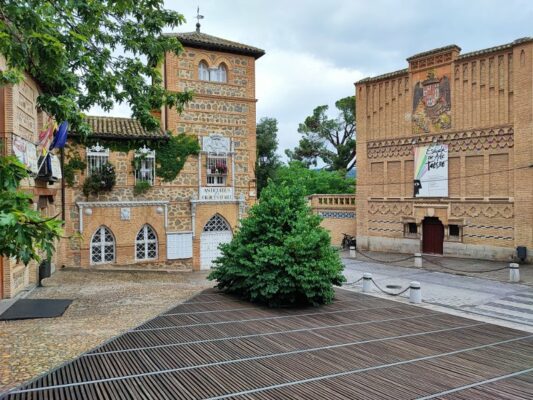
{"points": [[198, 17]]}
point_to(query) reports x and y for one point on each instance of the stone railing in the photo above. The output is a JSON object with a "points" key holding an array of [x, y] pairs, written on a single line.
{"points": [[337, 212], [332, 201]]}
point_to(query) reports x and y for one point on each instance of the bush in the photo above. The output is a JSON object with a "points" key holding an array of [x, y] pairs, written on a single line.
{"points": [[100, 181], [280, 256], [141, 187]]}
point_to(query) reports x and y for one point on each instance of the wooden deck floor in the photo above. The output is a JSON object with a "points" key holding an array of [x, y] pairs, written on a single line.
{"points": [[359, 347]]}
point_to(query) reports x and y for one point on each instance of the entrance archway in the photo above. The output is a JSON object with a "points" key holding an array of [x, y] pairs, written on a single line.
{"points": [[216, 231], [432, 235]]}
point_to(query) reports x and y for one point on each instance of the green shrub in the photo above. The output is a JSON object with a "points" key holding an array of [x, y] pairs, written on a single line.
{"points": [[280, 256], [100, 181], [141, 187]]}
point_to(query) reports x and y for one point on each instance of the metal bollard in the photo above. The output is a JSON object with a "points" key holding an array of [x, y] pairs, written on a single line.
{"points": [[367, 282], [352, 251], [514, 272], [415, 293], [418, 260]]}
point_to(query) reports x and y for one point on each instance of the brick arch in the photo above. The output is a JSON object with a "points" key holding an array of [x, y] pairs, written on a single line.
{"points": [[227, 63]]}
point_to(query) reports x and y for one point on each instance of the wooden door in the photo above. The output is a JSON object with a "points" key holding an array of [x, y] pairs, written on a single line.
{"points": [[432, 235]]}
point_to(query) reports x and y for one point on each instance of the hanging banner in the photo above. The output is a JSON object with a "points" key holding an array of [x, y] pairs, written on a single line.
{"points": [[26, 153], [431, 171]]}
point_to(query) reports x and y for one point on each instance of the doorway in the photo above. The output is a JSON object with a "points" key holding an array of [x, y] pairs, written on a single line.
{"points": [[216, 231], [432, 235]]}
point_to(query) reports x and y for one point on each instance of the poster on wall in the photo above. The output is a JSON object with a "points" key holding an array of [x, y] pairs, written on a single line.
{"points": [[26, 152], [431, 171]]}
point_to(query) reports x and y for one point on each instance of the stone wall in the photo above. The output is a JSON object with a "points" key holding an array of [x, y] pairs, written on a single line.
{"points": [[226, 109]]}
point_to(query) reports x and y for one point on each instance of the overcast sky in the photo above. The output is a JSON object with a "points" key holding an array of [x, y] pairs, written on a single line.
{"points": [[316, 50]]}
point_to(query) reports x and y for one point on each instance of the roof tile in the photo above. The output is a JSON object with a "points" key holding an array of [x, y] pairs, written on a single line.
{"points": [[121, 128]]}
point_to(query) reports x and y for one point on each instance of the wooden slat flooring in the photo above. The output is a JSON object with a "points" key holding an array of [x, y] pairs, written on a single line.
{"points": [[214, 346]]}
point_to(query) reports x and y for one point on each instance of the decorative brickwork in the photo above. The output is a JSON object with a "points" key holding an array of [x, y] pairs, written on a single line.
{"points": [[489, 140]]}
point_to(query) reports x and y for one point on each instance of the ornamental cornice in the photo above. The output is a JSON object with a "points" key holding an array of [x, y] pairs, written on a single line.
{"points": [[122, 203], [459, 141]]}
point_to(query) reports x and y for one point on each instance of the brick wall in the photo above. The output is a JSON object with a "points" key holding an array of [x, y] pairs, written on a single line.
{"points": [[488, 130], [20, 118]]}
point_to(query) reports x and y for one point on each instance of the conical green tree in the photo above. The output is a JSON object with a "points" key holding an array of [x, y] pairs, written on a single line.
{"points": [[280, 256]]}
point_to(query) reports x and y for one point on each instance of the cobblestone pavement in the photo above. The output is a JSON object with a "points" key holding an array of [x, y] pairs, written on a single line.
{"points": [[504, 303], [105, 304]]}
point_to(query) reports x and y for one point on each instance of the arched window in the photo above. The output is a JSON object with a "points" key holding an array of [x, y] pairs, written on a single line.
{"points": [[146, 244], [219, 74], [203, 71], [102, 246], [217, 224]]}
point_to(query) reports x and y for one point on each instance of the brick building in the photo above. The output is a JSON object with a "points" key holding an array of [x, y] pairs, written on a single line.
{"points": [[20, 124], [444, 154], [178, 224]]}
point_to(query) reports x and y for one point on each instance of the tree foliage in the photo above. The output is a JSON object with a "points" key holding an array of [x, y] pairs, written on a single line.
{"points": [[280, 256], [314, 181], [267, 161], [24, 233], [331, 140], [70, 47]]}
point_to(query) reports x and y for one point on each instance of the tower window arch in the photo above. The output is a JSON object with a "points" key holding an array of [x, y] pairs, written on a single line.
{"points": [[215, 74], [203, 71], [146, 243], [102, 246]]}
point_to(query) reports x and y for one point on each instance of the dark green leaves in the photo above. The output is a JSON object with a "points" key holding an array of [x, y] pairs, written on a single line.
{"points": [[280, 256], [331, 140], [24, 234], [91, 53]]}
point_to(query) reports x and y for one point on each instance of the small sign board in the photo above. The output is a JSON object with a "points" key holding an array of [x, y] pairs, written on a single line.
{"points": [[216, 193]]}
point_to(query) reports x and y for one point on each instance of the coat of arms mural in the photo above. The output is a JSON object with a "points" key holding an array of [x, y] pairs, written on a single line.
{"points": [[432, 105]]}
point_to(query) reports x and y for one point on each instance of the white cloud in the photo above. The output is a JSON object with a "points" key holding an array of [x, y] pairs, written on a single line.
{"points": [[290, 86]]}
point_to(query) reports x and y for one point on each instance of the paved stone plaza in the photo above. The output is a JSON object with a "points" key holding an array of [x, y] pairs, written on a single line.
{"points": [[105, 304], [475, 295]]}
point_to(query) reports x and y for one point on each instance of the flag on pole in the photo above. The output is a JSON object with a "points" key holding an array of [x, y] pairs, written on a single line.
{"points": [[60, 139], [45, 137]]}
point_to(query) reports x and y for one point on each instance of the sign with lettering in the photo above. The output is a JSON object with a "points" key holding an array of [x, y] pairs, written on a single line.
{"points": [[216, 193], [431, 171]]}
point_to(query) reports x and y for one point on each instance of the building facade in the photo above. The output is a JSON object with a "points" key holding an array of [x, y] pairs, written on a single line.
{"points": [[20, 124], [444, 154], [178, 224]]}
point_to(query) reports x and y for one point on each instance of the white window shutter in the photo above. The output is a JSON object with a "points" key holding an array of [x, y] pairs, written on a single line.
{"points": [[179, 245]]}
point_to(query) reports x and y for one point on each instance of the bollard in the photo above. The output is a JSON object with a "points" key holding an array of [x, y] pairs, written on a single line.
{"points": [[514, 272], [418, 260], [352, 251], [367, 282], [415, 293]]}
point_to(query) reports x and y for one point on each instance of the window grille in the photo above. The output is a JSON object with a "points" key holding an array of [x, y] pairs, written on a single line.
{"points": [[146, 244], [102, 246], [97, 156], [217, 170], [145, 164], [216, 224]]}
